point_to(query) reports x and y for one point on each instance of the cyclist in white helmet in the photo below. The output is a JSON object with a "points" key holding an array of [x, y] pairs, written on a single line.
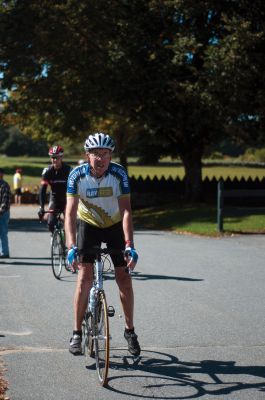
{"points": [[98, 192]]}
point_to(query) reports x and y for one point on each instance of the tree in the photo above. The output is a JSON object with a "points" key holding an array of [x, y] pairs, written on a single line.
{"points": [[181, 75], [15, 143], [199, 76]]}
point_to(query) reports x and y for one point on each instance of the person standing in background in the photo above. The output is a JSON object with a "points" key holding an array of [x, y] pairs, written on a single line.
{"points": [[5, 200], [17, 184]]}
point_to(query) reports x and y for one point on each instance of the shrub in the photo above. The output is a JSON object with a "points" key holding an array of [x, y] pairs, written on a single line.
{"points": [[216, 155], [260, 155], [249, 155]]}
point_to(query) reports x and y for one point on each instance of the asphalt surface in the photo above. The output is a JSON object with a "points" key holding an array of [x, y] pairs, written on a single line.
{"points": [[199, 315]]}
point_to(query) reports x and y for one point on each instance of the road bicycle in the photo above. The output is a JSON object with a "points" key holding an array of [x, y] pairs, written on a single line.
{"points": [[95, 326], [58, 248]]}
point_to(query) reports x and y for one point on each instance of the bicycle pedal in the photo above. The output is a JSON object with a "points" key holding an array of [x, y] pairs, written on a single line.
{"points": [[111, 311]]}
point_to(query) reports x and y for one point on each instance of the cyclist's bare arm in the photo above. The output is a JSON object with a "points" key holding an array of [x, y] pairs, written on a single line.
{"points": [[127, 224], [126, 216], [70, 220]]}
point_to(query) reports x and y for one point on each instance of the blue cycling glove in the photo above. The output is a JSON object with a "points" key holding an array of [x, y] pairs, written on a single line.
{"points": [[131, 252], [72, 255]]}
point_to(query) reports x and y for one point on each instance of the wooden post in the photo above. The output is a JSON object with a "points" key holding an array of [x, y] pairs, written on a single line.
{"points": [[220, 203]]}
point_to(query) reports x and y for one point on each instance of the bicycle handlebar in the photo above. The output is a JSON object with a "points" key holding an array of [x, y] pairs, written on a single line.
{"points": [[57, 213], [52, 212], [98, 251]]}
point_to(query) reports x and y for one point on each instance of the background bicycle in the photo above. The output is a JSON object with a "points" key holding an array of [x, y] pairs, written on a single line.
{"points": [[58, 248]]}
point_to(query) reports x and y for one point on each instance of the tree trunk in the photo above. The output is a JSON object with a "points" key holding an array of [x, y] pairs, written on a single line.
{"points": [[121, 147], [123, 159], [192, 162]]}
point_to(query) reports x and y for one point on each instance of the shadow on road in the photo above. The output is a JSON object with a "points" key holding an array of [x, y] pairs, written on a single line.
{"points": [[27, 263], [159, 372], [29, 258], [139, 276], [27, 225], [66, 276]]}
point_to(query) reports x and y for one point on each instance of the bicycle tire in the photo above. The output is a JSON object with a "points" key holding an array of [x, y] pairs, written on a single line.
{"points": [[101, 339], [87, 333], [57, 254]]}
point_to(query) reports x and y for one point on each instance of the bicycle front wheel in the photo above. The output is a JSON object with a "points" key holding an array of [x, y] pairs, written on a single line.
{"points": [[101, 340], [57, 254], [66, 266]]}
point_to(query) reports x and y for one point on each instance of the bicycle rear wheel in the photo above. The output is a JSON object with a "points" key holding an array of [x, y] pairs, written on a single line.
{"points": [[102, 339], [57, 254], [87, 333]]}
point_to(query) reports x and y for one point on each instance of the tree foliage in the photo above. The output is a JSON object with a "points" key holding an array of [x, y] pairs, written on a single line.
{"points": [[168, 77], [15, 143]]}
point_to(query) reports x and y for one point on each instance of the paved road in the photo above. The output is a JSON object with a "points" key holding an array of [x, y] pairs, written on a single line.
{"points": [[199, 316]]}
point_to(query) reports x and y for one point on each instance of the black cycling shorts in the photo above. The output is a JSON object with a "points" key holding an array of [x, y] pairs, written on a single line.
{"points": [[89, 236]]}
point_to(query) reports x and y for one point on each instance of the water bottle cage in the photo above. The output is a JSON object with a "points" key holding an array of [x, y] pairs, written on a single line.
{"points": [[99, 274], [97, 286], [92, 309], [100, 280], [92, 300]]}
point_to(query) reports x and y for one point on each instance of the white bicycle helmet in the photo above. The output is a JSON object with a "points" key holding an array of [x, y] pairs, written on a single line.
{"points": [[99, 140]]}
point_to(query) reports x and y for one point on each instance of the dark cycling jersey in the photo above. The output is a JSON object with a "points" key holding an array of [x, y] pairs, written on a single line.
{"points": [[57, 179]]}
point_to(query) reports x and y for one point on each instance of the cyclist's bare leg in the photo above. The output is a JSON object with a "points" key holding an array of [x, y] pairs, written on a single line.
{"points": [[83, 285], [124, 282]]}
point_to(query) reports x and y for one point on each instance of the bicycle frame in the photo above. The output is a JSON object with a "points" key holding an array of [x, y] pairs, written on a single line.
{"points": [[97, 284]]}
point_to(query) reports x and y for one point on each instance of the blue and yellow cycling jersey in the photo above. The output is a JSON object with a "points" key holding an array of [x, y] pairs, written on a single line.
{"points": [[98, 197]]}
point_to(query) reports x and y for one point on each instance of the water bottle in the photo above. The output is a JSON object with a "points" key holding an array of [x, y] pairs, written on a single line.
{"points": [[92, 300]]}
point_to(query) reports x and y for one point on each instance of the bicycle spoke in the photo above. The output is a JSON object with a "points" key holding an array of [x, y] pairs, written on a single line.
{"points": [[87, 331]]}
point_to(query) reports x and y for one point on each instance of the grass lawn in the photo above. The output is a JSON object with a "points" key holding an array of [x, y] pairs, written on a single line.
{"points": [[34, 165], [207, 171], [32, 169], [197, 219], [200, 219]]}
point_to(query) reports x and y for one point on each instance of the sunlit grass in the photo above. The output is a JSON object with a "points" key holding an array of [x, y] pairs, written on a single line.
{"points": [[233, 172], [33, 166], [208, 171], [201, 219]]}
